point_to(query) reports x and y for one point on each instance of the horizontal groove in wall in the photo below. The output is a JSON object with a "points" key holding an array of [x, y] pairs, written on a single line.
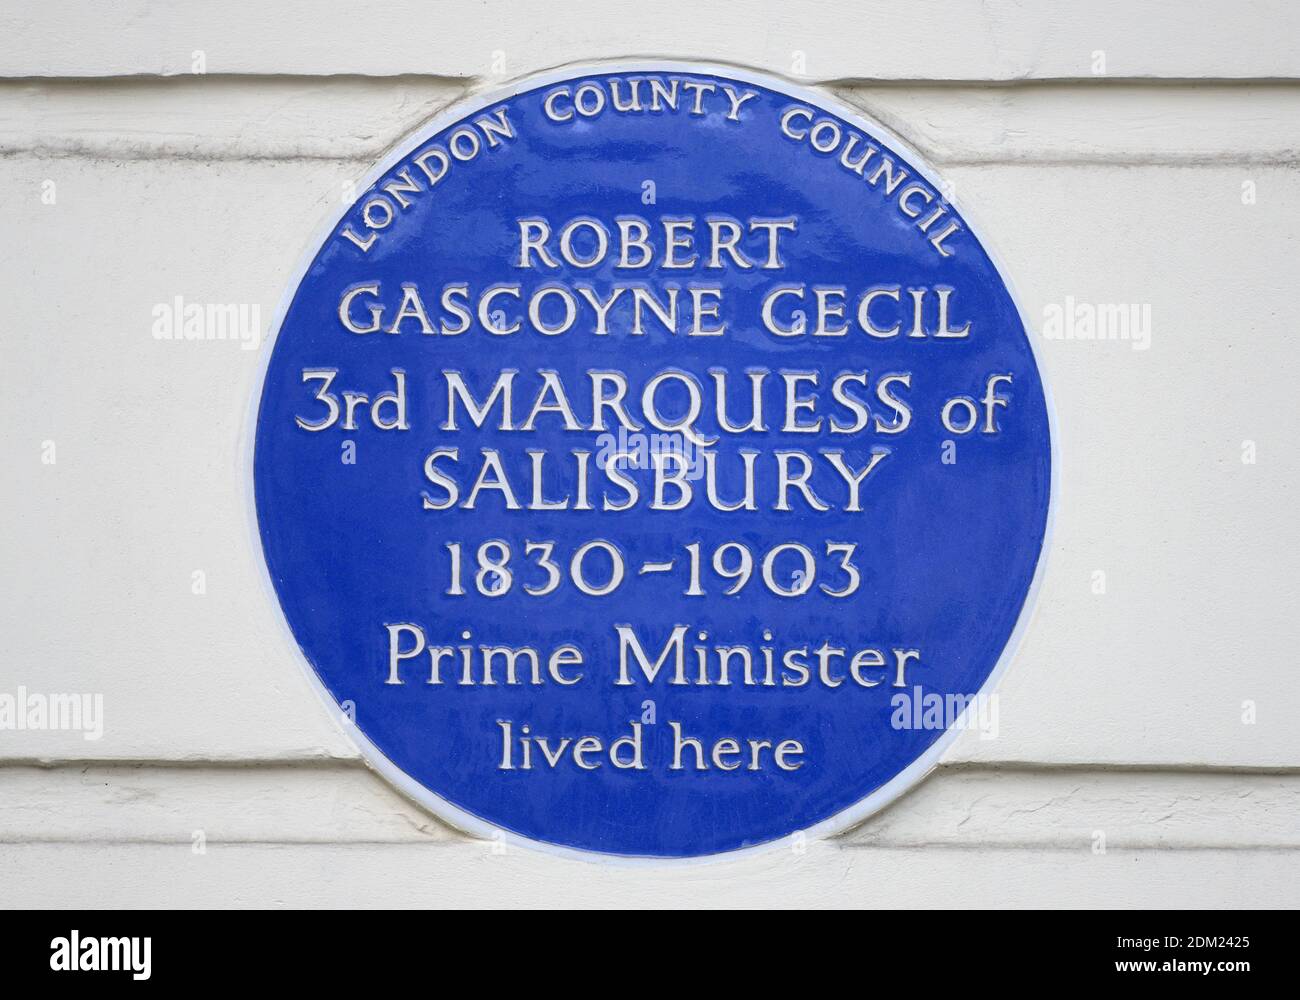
{"points": [[967, 806], [822, 39], [324, 761], [839, 843], [479, 82], [350, 119], [364, 161]]}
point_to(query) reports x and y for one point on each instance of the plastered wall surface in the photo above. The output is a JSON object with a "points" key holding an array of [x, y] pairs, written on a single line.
{"points": [[1115, 155]]}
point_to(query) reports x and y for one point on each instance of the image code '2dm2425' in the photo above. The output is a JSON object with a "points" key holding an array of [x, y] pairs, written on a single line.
{"points": [[652, 462]]}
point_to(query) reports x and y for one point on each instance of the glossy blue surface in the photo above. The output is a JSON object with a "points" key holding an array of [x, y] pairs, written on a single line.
{"points": [[947, 552]]}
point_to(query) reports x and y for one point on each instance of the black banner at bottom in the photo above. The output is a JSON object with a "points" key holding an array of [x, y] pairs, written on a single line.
{"points": [[338, 949]]}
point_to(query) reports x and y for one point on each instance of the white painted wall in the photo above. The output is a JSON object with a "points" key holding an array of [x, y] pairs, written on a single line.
{"points": [[1122, 714]]}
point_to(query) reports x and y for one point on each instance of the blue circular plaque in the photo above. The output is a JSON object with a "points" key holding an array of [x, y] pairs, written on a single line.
{"points": [[653, 462]]}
